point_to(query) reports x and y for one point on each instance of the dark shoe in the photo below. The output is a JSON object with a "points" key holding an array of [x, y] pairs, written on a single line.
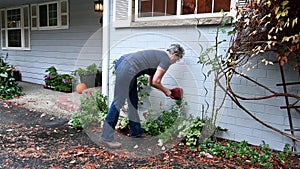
{"points": [[143, 135], [111, 144]]}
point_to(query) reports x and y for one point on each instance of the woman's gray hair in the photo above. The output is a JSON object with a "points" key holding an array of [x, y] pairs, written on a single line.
{"points": [[176, 49]]}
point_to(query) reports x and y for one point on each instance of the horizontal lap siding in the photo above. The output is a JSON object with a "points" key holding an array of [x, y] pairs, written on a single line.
{"points": [[78, 46]]}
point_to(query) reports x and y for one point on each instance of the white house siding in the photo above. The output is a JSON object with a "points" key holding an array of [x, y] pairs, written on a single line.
{"points": [[242, 127], [188, 75], [78, 46]]}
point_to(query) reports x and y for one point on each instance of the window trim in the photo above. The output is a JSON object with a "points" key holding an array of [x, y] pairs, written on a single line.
{"points": [[22, 28], [125, 16], [59, 15]]}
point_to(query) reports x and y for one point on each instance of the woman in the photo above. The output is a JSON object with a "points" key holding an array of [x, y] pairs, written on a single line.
{"points": [[154, 63]]}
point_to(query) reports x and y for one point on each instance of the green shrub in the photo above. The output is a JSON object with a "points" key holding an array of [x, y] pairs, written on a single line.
{"points": [[163, 121], [191, 131], [9, 88], [92, 108]]}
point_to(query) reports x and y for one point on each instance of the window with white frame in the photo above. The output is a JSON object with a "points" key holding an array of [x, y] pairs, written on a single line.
{"points": [[50, 15], [15, 32], [154, 8], [169, 12]]}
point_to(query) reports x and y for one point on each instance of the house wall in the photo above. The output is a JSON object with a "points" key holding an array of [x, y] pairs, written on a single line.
{"points": [[188, 74], [78, 46]]}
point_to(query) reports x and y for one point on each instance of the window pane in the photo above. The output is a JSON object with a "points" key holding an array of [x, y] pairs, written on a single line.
{"points": [[26, 37], [43, 15], [64, 20], [222, 4], [14, 18], [3, 19], [145, 9], [159, 8], [25, 14], [150, 8], [14, 38], [3, 38], [34, 22], [53, 14], [188, 6], [64, 7], [171, 7], [33, 11], [204, 6]]}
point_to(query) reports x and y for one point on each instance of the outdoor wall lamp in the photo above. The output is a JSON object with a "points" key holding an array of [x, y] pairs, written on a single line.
{"points": [[98, 7]]}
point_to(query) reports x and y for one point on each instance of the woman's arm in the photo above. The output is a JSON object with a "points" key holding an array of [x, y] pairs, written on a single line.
{"points": [[155, 81]]}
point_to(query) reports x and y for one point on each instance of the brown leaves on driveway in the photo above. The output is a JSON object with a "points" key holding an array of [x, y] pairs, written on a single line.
{"points": [[30, 139]]}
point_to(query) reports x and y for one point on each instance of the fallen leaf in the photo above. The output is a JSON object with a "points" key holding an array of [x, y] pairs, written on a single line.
{"points": [[160, 142], [73, 161], [207, 155]]}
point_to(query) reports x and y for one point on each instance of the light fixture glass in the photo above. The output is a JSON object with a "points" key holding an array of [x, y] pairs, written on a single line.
{"points": [[98, 6]]}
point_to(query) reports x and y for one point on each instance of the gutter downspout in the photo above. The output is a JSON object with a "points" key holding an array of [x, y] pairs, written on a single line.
{"points": [[106, 47]]}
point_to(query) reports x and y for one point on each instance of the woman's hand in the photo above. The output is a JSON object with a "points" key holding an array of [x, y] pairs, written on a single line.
{"points": [[169, 93]]}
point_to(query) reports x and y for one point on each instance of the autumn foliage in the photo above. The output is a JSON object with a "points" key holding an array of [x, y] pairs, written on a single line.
{"points": [[267, 25]]}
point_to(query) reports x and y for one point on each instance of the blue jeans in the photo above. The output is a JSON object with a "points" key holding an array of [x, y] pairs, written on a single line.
{"points": [[125, 88]]}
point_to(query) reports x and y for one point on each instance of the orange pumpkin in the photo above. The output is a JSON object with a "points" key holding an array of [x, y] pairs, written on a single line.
{"points": [[80, 88]]}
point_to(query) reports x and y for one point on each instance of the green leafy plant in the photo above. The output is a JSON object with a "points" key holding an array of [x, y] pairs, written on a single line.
{"points": [[156, 124], [9, 88], [64, 83], [242, 151], [91, 69], [58, 82], [191, 131], [122, 123], [50, 77], [142, 82], [92, 108], [88, 75]]}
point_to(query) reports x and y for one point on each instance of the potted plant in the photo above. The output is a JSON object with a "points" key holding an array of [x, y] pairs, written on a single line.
{"points": [[88, 75], [17, 74], [58, 82]]}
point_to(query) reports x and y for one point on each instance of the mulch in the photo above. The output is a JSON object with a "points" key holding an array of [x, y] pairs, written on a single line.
{"points": [[30, 139]]}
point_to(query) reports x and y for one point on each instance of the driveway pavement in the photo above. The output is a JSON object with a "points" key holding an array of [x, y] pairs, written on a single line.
{"points": [[37, 98]]}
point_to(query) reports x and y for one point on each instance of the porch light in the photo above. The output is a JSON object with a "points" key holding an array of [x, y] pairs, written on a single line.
{"points": [[98, 6]]}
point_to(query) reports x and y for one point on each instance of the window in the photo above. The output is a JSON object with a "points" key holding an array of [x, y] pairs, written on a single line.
{"points": [[154, 8], [169, 12], [15, 32], [50, 15]]}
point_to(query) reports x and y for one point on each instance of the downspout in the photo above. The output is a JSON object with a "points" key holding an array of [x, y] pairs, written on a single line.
{"points": [[106, 47]]}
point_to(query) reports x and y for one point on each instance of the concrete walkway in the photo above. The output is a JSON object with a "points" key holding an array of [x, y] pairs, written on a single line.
{"points": [[60, 104]]}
